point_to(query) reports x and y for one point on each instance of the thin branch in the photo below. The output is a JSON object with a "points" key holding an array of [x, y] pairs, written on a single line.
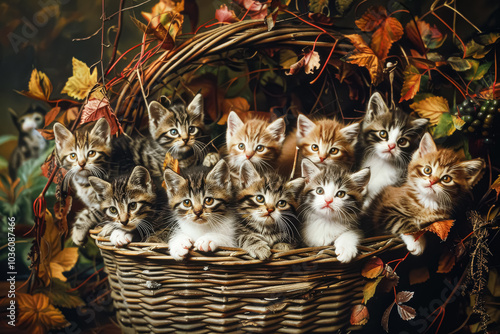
{"points": [[117, 38]]}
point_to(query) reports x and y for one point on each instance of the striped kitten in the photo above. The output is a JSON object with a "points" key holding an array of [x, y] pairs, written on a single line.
{"points": [[256, 140], [330, 205], [130, 208], [437, 180], [326, 142], [201, 205], [386, 142], [266, 207], [85, 153]]}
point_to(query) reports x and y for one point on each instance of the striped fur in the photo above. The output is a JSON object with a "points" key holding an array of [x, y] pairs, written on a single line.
{"points": [[427, 195], [266, 207]]}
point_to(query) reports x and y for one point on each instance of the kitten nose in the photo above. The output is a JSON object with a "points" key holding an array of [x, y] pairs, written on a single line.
{"points": [[124, 223], [198, 212], [249, 155], [391, 146], [433, 181], [82, 163], [321, 159], [270, 210], [328, 200], [185, 140]]}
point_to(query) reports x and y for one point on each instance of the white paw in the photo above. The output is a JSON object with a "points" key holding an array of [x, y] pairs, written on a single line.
{"points": [[179, 248], [211, 159], [345, 253], [205, 244], [120, 238], [414, 247], [79, 236]]}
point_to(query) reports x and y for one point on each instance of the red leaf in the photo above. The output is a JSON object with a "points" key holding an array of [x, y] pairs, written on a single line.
{"points": [[372, 18], [425, 37], [374, 267], [365, 57], [411, 83], [48, 167], [98, 108], [446, 262], [404, 296], [223, 14], [382, 39], [406, 312], [321, 19], [385, 317], [359, 315]]}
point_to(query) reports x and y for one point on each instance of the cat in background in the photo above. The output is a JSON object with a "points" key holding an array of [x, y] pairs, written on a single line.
{"points": [[331, 204], [386, 141], [326, 142], [201, 206], [256, 141], [437, 180], [266, 206]]}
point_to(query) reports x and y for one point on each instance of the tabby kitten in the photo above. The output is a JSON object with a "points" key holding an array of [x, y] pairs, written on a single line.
{"points": [[85, 153], [331, 203], [129, 208], [201, 205], [266, 205], [437, 179], [326, 142], [386, 142], [256, 141]]}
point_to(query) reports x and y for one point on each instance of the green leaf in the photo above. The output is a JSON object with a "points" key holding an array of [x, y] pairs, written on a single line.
{"points": [[477, 71], [459, 64], [59, 295], [475, 50], [445, 127], [488, 39], [4, 163], [370, 288], [317, 6]]}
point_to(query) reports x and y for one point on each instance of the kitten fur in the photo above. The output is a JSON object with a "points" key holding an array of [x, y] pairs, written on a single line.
{"points": [[386, 142], [201, 205], [266, 207], [330, 206], [326, 142], [437, 180], [255, 140], [130, 208]]}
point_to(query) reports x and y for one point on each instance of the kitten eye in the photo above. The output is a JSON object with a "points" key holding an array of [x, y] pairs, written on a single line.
{"points": [[132, 206], [340, 194], [187, 203], [320, 191], [113, 211], [72, 156], [174, 132], [403, 142], [427, 170], [334, 151], [446, 179], [383, 134], [281, 204], [259, 199], [91, 154], [259, 148], [209, 201], [193, 130], [241, 146], [314, 147]]}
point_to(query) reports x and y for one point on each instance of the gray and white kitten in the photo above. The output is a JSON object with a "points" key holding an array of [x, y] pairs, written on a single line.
{"points": [[331, 203]]}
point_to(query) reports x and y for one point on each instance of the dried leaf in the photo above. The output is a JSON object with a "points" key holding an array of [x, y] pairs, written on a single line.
{"points": [[431, 37], [321, 19], [446, 262], [406, 312], [370, 288], [160, 12], [60, 295], [237, 104], [459, 64], [476, 50], [39, 86], [364, 56], [36, 315], [57, 114], [223, 14], [431, 108], [359, 315], [419, 275], [374, 267], [61, 210], [496, 185], [79, 85], [440, 228], [385, 317], [372, 19], [309, 62], [390, 280], [318, 6], [97, 108], [404, 296], [411, 83]]}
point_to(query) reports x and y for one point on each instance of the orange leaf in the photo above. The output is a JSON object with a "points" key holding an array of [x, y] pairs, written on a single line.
{"points": [[419, 275], [432, 108], [496, 186], [359, 315], [425, 37], [236, 104], [411, 83], [39, 86], [440, 228], [446, 262], [365, 57], [374, 267], [36, 315], [372, 18]]}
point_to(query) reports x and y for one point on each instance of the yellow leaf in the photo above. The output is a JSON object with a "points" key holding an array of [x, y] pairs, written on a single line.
{"points": [[370, 288], [79, 85], [39, 86], [432, 108], [496, 185], [36, 315], [63, 261]]}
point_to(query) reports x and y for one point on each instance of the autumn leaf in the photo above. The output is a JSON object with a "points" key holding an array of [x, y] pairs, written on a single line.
{"points": [[318, 6], [419, 275], [39, 86], [446, 126], [237, 104], [98, 107], [359, 315], [370, 288], [440, 228], [321, 19], [160, 12], [374, 267], [60, 115], [404, 296], [79, 85], [429, 35], [385, 317], [309, 62], [390, 280], [411, 83], [364, 56], [60, 295], [496, 185], [477, 70], [431, 108], [406, 312], [446, 262], [223, 14], [459, 64], [36, 315]]}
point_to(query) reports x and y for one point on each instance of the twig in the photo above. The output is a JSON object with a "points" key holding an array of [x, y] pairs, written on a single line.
{"points": [[117, 38]]}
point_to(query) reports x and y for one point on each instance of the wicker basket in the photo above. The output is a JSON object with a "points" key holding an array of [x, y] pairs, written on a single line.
{"points": [[299, 291]]}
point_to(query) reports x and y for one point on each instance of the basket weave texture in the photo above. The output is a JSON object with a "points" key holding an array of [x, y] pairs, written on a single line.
{"points": [[298, 291]]}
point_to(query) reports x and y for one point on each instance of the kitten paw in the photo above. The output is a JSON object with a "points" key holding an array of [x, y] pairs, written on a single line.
{"points": [[260, 250], [79, 236], [180, 248], [345, 253], [415, 247], [283, 246], [211, 159], [120, 238], [205, 244]]}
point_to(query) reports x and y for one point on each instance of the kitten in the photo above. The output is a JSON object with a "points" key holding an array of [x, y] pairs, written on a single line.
{"points": [[326, 142], [256, 140], [437, 180], [85, 153], [331, 203], [201, 205], [386, 141], [266, 205], [129, 208]]}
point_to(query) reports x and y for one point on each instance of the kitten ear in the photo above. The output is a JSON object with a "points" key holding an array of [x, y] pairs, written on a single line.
{"points": [[419, 124], [376, 106], [173, 180], [195, 108], [221, 174], [102, 130], [234, 123], [309, 169], [100, 187], [473, 169], [427, 145], [350, 132], [156, 113], [362, 177], [140, 178], [296, 186], [61, 135], [248, 174], [277, 129], [304, 126]]}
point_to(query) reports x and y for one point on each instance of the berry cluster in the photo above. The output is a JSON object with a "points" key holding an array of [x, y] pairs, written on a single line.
{"points": [[480, 118]]}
